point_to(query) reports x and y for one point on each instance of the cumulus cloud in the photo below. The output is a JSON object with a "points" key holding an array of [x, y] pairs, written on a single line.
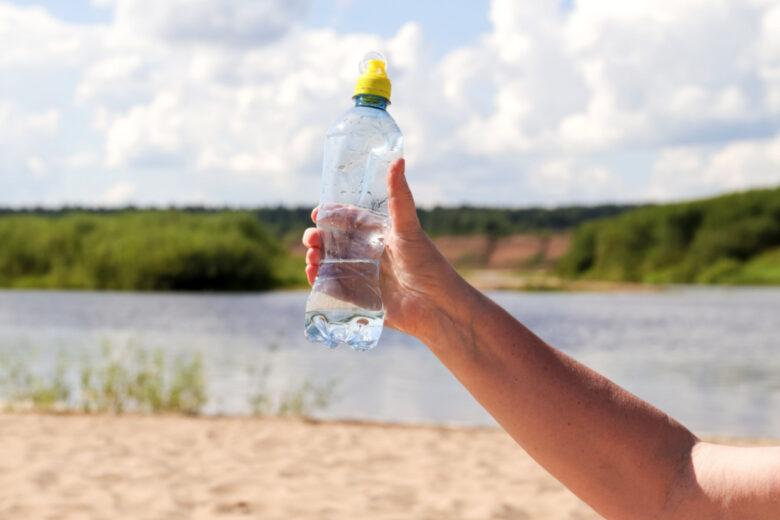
{"points": [[612, 74], [768, 51], [229, 101], [32, 38], [37, 166], [742, 164], [557, 178], [25, 136], [16, 122], [116, 195], [233, 22], [699, 171]]}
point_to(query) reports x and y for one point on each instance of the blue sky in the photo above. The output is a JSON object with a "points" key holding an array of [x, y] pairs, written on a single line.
{"points": [[465, 20], [77, 11], [157, 102]]}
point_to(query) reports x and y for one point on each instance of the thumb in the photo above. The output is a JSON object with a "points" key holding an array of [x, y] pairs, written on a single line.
{"points": [[403, 214]]}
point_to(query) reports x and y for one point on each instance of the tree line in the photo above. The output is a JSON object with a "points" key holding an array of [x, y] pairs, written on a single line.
{"points": [[143, 250], [730, 239], [285, 222]]}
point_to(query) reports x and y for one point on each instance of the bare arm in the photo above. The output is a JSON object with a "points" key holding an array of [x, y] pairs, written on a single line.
{"points": [[741, 482], [622, 456]]}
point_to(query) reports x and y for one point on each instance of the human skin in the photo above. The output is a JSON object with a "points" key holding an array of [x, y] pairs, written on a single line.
{"points": [[621, 455]]}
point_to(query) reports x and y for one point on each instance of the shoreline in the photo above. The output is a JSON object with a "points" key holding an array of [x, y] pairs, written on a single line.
{"points": [[482, 279], [323, 422], [512, 280]]}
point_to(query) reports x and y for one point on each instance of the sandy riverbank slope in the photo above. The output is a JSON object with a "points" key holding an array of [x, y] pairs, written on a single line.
{"points": [[131, 467], [135, 467]]}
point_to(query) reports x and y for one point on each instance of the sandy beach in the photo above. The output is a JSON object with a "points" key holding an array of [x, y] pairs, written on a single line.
{"points": [[167, 467], [135, 467]]}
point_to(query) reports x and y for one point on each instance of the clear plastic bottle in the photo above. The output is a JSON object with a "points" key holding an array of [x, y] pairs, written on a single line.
{"points": [[345, 305]]}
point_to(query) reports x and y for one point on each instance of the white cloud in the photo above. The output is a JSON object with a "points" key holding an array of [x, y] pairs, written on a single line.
{"points": [[31, 38], [37, 166], [82, 160], [117, 195], [146, 134], [742, 164], [232, 99], [675, 171], [18, 123], [234, 22], [559, 178], [607, 75], [769, 56], [698, 171], [47, 121]]}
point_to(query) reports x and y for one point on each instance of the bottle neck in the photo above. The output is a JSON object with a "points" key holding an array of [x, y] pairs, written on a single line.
{"points": [[367, 100]]}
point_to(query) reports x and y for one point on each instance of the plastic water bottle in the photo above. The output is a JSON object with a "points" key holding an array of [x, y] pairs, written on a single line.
{"points": [[345, 305]]}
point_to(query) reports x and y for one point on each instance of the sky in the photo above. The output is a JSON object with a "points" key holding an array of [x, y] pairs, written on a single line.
{"points": [[533, 103]]}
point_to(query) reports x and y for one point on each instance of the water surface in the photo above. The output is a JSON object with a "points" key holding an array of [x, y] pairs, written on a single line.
{"points": [[708, 357]]}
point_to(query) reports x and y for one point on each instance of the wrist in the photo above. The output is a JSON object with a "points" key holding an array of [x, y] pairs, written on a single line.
{"points": [[446, 307]]}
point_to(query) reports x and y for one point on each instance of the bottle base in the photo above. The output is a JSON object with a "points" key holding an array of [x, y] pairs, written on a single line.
{"points": [[360, 329]]}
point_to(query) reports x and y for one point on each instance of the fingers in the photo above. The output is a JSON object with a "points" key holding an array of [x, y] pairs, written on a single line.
{"points": [[314, 214], [403, 214], [313, 256], [312, 238], [313, 241], [311, 273]]}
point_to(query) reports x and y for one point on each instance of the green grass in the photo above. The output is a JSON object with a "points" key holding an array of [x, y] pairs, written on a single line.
{"points": [[21, 387], [119, 380], [138, 380], [732, 239], [764, 269], [300, 400], [144, 250]]}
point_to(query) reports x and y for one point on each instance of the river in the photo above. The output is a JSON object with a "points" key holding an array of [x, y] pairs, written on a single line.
{"points": [[708, 357]]}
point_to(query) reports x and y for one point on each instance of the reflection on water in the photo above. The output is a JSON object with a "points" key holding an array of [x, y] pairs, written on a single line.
{"points": [[708, 357]]}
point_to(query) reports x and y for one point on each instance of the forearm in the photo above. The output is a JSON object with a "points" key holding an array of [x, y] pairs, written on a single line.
{"points": [[612, 449]]}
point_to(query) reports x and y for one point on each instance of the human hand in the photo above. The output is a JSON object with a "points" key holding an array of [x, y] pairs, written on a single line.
{"points": [[413, 274]]}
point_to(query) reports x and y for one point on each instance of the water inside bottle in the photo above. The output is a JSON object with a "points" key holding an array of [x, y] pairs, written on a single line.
{"points": [[358, 328], [345, 305]]}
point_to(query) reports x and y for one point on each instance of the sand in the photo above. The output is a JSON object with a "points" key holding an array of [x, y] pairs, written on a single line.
{"points": [[512, 252], [169, 467], [139, 467], [480, 251]]}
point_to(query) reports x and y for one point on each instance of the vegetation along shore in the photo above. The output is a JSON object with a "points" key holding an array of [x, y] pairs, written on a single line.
{"points": [[730, 239]]}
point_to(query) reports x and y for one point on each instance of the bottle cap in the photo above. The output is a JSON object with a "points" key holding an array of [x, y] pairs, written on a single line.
{"points": [[373, 78]]}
